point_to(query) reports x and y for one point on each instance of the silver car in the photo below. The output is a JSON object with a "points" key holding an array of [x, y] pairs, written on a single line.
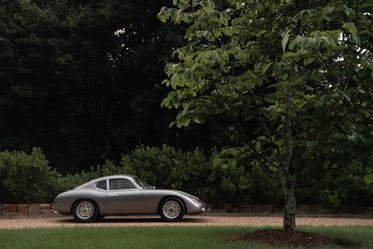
{"points": [[124, 195]]}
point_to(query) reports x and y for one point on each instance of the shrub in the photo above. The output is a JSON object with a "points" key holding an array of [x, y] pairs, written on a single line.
{"points": [[167, 167], [344, 187], [26, 178]]}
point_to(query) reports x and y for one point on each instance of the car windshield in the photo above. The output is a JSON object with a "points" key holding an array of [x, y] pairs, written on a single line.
{"points": [[142, 184]]}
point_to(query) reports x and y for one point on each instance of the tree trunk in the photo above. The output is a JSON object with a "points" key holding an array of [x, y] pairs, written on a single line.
{"points": [[287, 179], [290, 207]]}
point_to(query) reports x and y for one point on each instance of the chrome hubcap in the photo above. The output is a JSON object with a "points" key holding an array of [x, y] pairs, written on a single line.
{"points": [[171, 209], [85, 210]]}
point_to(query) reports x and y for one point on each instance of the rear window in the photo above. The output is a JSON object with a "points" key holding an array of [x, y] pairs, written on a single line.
{"points": [[101, 185]]}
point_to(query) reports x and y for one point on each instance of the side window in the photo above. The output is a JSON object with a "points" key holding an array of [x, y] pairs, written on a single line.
{"points": [[120, 183], [101, 185]]}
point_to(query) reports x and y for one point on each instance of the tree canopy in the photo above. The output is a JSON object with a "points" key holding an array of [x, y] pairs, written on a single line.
{"points": [[81, 79], [292, 80]]}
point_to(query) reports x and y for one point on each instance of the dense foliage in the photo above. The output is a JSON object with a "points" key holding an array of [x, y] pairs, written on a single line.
{"points": [[81, 79], [28, 178]]}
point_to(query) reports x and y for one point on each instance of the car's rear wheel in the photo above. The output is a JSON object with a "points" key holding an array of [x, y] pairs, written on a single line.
{"points": [[171, 209], [85, 211]]}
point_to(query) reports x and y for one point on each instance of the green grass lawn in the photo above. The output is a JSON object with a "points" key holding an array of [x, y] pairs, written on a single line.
{"points": [[156, 237]]}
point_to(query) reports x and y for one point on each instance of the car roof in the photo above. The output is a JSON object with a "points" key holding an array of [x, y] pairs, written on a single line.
{"points": [[91, 182], [114, 176]]}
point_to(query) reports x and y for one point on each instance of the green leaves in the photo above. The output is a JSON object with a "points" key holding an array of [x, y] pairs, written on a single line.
{"points": [[276, 68], [368, 179], [284, 78], [351, 28], [311, 145], [26, 178], [285, 38], [354, 32]]}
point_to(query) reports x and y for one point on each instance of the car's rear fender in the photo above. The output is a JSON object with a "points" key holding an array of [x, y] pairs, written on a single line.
{"points": [[65, 201], [84, 199]]}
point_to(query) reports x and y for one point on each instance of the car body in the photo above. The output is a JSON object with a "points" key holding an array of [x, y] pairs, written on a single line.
{"points": [[125, 195]]}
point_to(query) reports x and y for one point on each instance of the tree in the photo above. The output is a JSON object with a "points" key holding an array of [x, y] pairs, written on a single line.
{"points": [[81, 79], [293, 80]]}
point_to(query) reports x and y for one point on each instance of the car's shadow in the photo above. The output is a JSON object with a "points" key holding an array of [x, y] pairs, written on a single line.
{"points": [[129, 220]]}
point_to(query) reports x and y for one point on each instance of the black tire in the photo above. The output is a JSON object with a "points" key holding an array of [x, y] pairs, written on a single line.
{"points": [[85, 211], [171, 209]]}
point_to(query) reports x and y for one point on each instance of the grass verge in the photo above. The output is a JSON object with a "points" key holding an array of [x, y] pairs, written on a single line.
{"points": [[157, 237]]}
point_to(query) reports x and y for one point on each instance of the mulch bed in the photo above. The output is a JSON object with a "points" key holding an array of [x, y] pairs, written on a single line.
{"points": [[277, 237]]}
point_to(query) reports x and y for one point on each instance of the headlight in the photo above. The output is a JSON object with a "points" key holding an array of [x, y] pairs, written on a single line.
{"points": [[195, 201]]}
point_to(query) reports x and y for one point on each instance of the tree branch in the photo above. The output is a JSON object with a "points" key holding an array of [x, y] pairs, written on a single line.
{"points": [[319, 175]]}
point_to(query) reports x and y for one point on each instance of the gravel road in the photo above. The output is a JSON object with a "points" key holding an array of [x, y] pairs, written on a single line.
{"points": [[200, 220]]}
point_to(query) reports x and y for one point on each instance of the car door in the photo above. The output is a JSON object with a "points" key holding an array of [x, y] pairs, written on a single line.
{"points": [[124, 197]]}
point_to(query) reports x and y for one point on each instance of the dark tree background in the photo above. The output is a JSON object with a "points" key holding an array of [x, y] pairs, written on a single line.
{"points": [[82, 80]]}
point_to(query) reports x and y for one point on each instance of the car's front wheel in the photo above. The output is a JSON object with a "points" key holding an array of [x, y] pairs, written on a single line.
{"points": [[85, 211], [171, 209]]}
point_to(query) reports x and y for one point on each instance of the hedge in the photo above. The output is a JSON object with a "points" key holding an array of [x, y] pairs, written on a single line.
{"points": [[28, 178]]}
